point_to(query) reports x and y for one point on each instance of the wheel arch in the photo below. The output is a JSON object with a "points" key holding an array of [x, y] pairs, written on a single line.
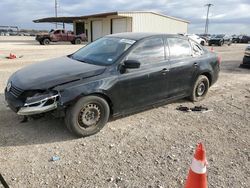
{"points": [[208, 75], [104, 96], [46, 38], [94, 93]]}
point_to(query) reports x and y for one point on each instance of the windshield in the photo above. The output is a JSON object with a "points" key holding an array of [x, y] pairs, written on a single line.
{"points": [[219, 36], [104, 51]]}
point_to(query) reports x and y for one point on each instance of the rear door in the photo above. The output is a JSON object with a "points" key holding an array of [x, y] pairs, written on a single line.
{"points": [[182, 66], [147, 84]]}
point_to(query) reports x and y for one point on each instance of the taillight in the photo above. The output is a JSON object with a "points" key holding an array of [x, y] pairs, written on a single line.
{"points": [[219, 60]]}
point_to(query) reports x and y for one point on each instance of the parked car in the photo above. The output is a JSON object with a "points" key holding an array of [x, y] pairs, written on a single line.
{"points": [[219, 40], [196, 38], [235, 38], [246, 59], [60, 35], [113, 76], [244, 39]]}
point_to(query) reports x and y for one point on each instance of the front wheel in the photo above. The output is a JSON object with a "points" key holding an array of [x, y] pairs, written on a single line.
{"points": [[88, 116], [221, 43], [46, 41], [200, 89]]}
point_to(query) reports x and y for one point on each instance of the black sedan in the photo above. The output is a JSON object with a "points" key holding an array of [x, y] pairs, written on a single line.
{"points": [[113, 76], [219, 40]]}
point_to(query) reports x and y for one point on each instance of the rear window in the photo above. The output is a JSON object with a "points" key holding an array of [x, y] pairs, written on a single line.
{"points": [[197, 49], [179, 48]]}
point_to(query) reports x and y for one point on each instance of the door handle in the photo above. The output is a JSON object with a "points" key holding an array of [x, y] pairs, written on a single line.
{"points": [[164, 71], [195, 65]]}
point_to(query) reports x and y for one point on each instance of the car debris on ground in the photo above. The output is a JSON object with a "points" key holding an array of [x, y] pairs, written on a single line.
{"points": [[201, 109], [55, 158]]}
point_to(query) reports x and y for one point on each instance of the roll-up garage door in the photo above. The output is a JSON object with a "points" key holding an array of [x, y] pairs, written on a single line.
{"points": [[119, 25], [96, 29]]}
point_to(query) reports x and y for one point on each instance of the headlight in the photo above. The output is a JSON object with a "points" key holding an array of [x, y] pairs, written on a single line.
{"points": [[39, 103], [42, 98]]}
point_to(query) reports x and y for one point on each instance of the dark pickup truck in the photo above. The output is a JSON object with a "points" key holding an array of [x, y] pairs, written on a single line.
{"points": [[219, 40], [60, 35]]}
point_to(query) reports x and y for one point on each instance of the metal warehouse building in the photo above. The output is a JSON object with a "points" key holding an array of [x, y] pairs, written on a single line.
{"points": [[98, 25]]}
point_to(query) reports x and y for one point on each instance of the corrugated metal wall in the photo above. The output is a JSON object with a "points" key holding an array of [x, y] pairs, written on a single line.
{"points": [[150, 22], [140, 22], [106, 25]]}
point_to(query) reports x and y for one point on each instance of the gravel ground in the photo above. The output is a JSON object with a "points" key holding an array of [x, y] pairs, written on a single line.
{"points": [[153, 148]]}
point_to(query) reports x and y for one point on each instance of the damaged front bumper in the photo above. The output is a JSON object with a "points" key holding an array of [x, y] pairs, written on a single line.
{"points": [[37, 104], [40, 106]]}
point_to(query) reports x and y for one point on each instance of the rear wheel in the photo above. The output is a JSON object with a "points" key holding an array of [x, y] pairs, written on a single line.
{"points": [[46, 41], [88, 116], [77, 41], [200, 89]]}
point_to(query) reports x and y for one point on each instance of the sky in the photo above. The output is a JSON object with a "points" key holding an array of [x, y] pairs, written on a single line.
{"points": [[226, 16]]}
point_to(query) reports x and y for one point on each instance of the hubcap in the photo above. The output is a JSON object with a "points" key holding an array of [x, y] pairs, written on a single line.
{"points": [[201, 89], [89, 115]]}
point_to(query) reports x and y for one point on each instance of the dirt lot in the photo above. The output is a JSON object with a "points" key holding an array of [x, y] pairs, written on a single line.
{"points": [[153, 148]]}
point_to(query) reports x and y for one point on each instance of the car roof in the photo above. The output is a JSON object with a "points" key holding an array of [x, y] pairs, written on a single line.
{"points": [[141, 35]]}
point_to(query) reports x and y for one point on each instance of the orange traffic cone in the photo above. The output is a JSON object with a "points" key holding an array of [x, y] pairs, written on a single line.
{"points": [[197, 177], [11, 56]]}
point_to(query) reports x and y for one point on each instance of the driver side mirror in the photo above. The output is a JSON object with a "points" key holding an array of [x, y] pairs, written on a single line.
{"points": [[131, 64]]}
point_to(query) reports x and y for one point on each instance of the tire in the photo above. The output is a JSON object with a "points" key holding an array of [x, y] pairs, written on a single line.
{"points": [[209, 44], [88, 116], [221, 43], [46, 41], [200, 89], [77, 41]]}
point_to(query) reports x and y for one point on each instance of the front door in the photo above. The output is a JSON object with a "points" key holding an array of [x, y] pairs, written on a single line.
{"points": [[57, 36], [149, 83]]}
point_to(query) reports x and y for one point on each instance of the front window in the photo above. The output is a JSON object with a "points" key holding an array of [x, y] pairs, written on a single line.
{"points": [[104, 51], [219, 36], [149, 51], [57, 32]]}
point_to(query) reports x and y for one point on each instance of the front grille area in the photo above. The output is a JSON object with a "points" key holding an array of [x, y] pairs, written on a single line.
{"points": [[15, 91]]}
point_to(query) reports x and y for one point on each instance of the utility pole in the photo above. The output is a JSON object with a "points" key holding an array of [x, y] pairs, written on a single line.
{"points": [[207, 19], [56, 5]]}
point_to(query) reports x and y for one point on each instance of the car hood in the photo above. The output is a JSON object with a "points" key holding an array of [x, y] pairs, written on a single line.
{"points": [[53, 72], [42, 34]]}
